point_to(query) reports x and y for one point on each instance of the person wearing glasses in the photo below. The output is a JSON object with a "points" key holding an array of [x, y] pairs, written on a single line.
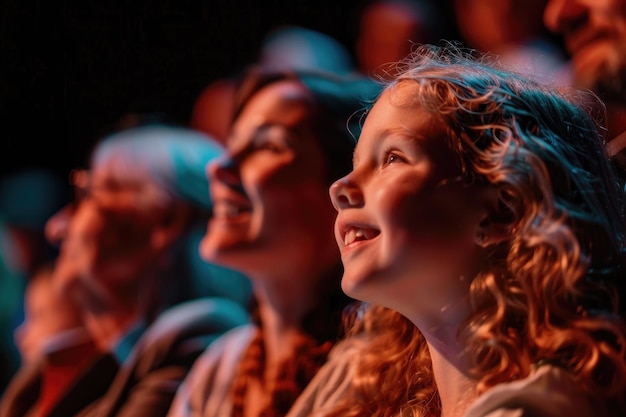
{"points": [[124, 258]]}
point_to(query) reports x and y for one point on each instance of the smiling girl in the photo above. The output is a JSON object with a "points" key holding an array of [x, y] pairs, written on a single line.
{"points": [[482, 208]]}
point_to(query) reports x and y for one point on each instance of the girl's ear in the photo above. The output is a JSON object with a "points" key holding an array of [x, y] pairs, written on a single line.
{"points": [[497, 224]]}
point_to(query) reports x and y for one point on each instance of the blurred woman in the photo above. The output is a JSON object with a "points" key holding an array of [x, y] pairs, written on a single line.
{"points": [[273, 221]]}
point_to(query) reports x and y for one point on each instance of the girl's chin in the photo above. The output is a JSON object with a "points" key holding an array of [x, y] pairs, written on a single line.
{"points": [[355, 288]]}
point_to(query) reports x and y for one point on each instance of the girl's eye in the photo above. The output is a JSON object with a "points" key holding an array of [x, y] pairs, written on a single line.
{"points": [[391, 158]]}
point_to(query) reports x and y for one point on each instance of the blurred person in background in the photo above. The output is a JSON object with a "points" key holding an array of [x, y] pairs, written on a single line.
{"points": [[273, 221], [513, 31], [123, 258], [387, 29], [55, 349], [285, 47], [47, 316], [594, 33]]}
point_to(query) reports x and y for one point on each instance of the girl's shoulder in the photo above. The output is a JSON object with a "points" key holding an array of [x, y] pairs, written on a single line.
{"points": [[549, 391]]}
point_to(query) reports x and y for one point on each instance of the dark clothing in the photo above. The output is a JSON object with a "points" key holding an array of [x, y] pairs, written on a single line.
{"points": [[147, 381]]}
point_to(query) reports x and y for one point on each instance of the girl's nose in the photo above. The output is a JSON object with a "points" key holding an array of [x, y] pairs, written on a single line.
{"points": [[344, 194]]}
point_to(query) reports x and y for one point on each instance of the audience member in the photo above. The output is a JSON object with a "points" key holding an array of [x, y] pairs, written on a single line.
{"points": [[56, 350], [291, 47], [47, 316], [594, 34], [513, 30], [120, 258], [387, 30], [212, 110], [285, 47], [483, 209], [273, 220]]}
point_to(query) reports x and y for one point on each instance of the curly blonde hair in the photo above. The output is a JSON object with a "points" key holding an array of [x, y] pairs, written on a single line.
{"points": [[549, 292]]}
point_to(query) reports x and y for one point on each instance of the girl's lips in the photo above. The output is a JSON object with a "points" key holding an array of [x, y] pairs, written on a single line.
{"points": [[355, 234], [349, 232]]}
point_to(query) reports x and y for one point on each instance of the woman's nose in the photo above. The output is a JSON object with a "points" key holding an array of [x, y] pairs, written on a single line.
{"points": [[345, 194], [224, 169]]}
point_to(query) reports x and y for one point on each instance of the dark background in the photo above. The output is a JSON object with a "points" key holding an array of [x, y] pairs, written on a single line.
{"points": [[70, 68]]}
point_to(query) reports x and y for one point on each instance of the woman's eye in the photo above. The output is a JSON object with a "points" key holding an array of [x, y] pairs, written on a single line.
{"points": [[271, 139], [269, 146]]}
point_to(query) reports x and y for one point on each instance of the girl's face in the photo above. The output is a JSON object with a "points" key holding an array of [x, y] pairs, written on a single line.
{"points": [[406, 226], [271, 206]]}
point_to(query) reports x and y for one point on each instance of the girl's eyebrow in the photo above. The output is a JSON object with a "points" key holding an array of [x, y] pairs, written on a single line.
{"points": [[397, 134], [404, 135]]}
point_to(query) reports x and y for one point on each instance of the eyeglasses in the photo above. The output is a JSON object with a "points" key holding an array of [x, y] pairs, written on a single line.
{"points": [[113, 195]]}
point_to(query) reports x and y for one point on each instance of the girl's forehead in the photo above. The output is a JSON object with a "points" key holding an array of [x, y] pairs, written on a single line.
{"points": [[405, 93]]}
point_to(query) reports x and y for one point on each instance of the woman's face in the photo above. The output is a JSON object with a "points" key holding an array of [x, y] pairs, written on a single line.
{"points": [[406, 226], [271, 205]]}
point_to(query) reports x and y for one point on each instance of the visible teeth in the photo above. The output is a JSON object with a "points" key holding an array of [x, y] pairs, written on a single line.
{"points": [[225, 209], [349, 237], [353, 235]]}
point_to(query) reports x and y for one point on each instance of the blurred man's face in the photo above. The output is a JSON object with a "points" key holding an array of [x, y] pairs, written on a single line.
{"points": [[105, 241], [594, 32]]}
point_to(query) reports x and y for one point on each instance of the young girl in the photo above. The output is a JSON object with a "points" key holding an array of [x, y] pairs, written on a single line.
{"points": [[483, 208]]}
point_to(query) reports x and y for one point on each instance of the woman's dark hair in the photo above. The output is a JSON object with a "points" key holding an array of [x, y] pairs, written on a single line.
{"points": [[340, 101]]}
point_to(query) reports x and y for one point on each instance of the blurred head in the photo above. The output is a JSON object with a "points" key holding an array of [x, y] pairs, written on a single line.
{"points": [[594, 33], [145, 187], [289, 141], [388, 28], [212, 111], [470, 183], [285, 48], [296, 48], [495, 25], [46, 314]]}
